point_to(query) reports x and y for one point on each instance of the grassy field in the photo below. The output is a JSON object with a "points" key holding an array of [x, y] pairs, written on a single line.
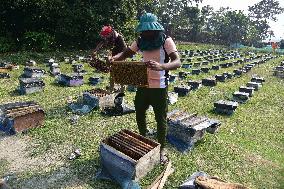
{"points": [[248, 148]]}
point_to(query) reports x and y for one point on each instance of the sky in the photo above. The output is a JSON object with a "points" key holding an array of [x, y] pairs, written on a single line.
{"points": [[277, 27]]}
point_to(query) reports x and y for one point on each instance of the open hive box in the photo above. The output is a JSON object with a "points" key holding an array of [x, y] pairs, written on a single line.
{"points": [[129, 73], [130, 153], [4, 67], [100, 98], [20, 116], [5, 70]]}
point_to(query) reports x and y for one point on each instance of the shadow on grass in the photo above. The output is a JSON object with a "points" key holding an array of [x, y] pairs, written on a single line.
{"points": [[212, 112], [77, 173], [56, 84], [57, 112], [86, 170], [14, 93]]}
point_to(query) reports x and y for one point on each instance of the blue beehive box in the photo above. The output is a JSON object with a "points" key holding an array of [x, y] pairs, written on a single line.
{"points": [[182, 90], [30, 85], [30, 72], [186, 66], [70, 80], [185, 129], [225, 107], [94, 80]]}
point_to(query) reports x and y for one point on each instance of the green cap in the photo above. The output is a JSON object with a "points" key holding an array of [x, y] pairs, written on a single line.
{"points": [[149, 21]]}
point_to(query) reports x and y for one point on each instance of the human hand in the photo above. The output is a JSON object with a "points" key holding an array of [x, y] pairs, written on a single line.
{"points": [[109, 59], [153, 65]]}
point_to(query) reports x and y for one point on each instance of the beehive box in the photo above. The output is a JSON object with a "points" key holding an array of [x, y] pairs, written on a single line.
{"points": [[4, 75], [182, 90], [255, 85], [258, 80], [195, 71], [100, 98], [240, 97], [211, 82], [249, 90], [205, 69], [55, 70], [248, 67], [238, 72], [194, 84], [205, 63], [220, 78], [30, 85], [225, 107], [182, 75], [173, 78], [70, 80], [197, 64], [30, 72], [188, 128], [21, 116], [130, 73], [224, 65], [186, 66], [78, 68], [94, 80], [4, 67], [214, 67], [279, 74], [130, 154]]}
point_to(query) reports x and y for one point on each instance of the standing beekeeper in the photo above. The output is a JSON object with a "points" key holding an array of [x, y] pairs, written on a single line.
{"points": [[113, 40], [160, 55]]}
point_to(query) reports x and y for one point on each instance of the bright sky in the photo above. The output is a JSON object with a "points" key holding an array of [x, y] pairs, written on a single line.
{"points": [[277, 27]]}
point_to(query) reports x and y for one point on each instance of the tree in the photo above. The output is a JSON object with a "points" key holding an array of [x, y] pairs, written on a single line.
{"points": [[71, 23], [282, 44], [260, 13], [266, 9]]}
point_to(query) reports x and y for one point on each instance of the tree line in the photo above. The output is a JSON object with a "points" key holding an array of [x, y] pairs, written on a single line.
{"points": [[43, 25]]}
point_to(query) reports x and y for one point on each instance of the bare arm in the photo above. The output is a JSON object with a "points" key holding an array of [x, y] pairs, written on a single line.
{"points": [[127, 53], [98, 47], [174, 63]]}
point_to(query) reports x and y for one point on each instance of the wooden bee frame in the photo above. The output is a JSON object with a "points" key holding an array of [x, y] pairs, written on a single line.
{"points": [[130, 73]]}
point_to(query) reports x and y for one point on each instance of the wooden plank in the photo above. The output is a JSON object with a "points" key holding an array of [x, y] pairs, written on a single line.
{"points": [[162, 178]]}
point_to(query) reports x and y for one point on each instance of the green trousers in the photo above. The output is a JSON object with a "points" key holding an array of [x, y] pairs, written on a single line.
{"points": [[158, 99]]}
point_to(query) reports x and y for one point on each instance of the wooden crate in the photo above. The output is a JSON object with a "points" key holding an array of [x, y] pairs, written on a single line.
{"points": [[5, 70], [19, 117], [127, 151], [129, 73]]}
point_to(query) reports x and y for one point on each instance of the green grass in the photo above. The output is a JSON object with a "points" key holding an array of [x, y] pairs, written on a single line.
{"points": [[247, 149]]}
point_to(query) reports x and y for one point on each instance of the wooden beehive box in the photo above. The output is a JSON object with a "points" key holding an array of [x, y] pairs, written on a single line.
{"points": [[126, 151], [129, 73], [20, 117], [101, 98]]}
